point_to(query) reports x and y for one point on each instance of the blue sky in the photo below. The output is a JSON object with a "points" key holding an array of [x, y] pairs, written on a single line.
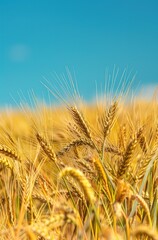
{"points": [[39, 37]]}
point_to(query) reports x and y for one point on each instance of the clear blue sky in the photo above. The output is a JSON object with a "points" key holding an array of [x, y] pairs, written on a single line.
{"points": [[38, 37]]}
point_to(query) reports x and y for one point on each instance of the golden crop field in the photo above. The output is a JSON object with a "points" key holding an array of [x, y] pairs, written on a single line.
{"points": [[86, 171]]}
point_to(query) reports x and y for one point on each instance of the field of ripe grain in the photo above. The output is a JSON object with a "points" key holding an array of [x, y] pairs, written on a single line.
{"points": [[80, 172]]}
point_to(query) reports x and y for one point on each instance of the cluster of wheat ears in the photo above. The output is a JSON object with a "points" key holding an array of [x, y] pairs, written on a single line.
{"points": [[81, 172]]}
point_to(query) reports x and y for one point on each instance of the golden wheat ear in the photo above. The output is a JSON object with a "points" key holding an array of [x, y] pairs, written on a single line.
{"points": [[122, 190], [124, 165], [107, 122], [46, 147], [142, 140], [146, 232], [122, 137], [108, 119], [102, 175], [80, 122], [9, 152], [82, 181], [144, 205], [6, 163], [142, 166], [75, 143]]}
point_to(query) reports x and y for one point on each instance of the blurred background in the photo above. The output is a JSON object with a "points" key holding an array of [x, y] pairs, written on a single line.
{"points": [[42, 41]]}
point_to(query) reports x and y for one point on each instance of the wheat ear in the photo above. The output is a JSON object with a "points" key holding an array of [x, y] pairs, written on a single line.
{"points": [[9, 152], [142, 141], [156, 134], [75, 143], [122, 190], [143, 144], [41, 230], [80, 121], [114, 150], [43, 198], [5, 162], [100, 169], [123, 137], [82, 180], [10, 210], [126, 158], [145, 230], [107, 123], [144, 205], [46, 147], [76, 191], [108, 119], [144, 163]]}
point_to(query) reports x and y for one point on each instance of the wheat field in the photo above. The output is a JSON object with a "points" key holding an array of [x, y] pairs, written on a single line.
{"points": [[86, 171]]}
